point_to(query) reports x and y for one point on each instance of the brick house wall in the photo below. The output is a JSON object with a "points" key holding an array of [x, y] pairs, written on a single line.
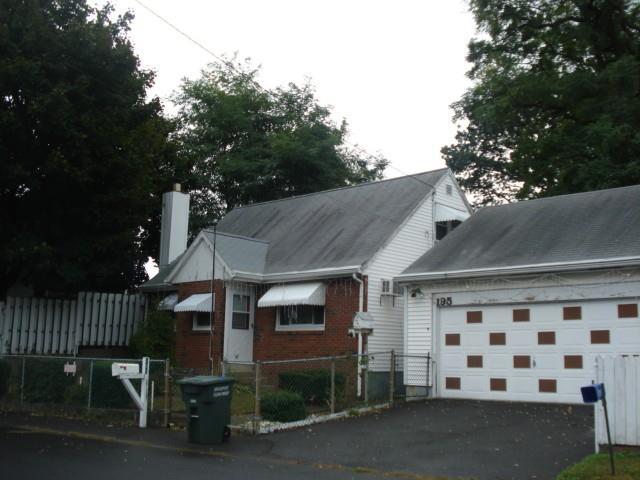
{"points": [[192, 347]]}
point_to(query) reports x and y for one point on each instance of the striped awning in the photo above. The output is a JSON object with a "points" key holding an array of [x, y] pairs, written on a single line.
{"points": [[294, 294], [447, 214], [200, 302]]}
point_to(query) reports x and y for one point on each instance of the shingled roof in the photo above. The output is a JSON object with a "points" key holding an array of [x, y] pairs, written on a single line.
{"points": [[336, 228], [569, 229]]}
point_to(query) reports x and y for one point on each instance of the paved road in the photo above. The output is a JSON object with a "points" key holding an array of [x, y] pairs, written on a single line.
{"points": [[436, 439]]}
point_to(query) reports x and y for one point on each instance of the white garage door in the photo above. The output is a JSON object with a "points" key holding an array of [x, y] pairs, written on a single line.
{"points": [[534, 352]]}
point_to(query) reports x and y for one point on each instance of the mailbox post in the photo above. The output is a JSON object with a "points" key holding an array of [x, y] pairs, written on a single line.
{"points": [[591, 394], [131, 371]]}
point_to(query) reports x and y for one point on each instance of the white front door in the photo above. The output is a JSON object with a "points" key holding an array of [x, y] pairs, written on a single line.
{"points": [[238, 328]]}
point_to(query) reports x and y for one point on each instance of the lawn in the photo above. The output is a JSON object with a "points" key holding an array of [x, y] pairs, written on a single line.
{"points": [[596, 467]]}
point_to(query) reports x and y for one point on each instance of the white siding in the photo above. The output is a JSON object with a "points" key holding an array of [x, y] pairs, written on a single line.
{"points": [[197, 265], [410, 241]]}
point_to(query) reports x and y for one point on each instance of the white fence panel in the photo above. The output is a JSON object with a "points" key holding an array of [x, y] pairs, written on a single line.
{"points": [[53, 326], [621, 377]]}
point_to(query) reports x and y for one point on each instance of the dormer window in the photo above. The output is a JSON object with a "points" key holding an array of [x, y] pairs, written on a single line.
{"points": [[444, 228]]}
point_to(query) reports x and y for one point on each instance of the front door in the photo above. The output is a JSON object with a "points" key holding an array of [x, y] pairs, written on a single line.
{"points": [[239, 319]]}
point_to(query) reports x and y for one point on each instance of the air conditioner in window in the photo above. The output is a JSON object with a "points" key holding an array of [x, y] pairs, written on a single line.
{"points": [[389, 289]]}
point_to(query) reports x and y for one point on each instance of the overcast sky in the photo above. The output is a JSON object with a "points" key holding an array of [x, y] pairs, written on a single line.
{"points": [[390, 68]]}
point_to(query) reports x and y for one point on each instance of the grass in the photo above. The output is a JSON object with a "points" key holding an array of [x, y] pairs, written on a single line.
{"points": [[596, 467]]}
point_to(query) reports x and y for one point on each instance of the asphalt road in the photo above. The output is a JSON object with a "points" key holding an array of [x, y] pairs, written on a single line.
{"points": [[421, 440]]}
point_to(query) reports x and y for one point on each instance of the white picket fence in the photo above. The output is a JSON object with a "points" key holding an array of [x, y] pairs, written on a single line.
{"points": [[621, 378], [45, 326]]}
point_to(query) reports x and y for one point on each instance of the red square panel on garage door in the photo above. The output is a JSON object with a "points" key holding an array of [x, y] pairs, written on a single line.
{"points": [[628, 310], [547, 386], [497, 338], [600, 336], [452, 339], [573, 361], [521, 361], [474, 361], [572, 313], [474, 317], [452, 383], [521, 315], [498, 384], [546, 338]]}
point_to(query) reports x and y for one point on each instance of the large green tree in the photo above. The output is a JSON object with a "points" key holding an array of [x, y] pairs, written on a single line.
{"points": [[555, 102], [247, 144], [83, 153]]}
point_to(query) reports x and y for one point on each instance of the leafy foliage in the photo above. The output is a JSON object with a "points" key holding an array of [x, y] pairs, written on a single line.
{"points": [[84, 154], [555, 104], [5, 377], [45, 381], [244, 144], [155, 337], [313, 385], [282, 406], [107, 391]]}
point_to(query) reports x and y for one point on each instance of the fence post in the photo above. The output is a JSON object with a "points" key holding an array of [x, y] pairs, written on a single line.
{"points": [[392, 376], [222, 370], [22, 380], [256, 413], [333, 385], [90, 385], [167, 410]]}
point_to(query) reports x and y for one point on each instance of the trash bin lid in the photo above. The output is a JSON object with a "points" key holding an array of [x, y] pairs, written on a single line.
{"points": [[204, 380]]}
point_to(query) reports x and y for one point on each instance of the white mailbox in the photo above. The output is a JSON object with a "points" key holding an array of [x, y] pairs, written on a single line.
{"points": [[118, 369]]}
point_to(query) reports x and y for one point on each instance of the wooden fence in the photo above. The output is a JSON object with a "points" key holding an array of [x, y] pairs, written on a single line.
{"points": [[621, 377], [45, 326]]}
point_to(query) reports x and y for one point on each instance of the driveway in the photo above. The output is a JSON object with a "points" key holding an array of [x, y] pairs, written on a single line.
{"points": [[437, 438]]}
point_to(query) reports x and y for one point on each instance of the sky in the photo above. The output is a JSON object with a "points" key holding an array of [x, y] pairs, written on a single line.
{"points": [[391, 68]]}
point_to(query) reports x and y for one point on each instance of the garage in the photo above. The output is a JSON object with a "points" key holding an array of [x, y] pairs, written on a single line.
{"points": [[530, 352], [518, 301]]}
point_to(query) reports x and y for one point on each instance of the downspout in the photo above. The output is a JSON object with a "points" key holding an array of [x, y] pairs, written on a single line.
{"points": [[360, 342]]}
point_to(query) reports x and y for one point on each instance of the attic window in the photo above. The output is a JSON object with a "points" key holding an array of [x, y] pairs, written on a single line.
{"points": [[444, 228], [449, 189]]}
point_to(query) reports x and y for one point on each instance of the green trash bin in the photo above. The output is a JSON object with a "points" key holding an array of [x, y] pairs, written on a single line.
{"points": [[208, 404]]}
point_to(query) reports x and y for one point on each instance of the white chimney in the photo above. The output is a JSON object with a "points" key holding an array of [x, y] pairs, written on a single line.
{"points": [[175, 225]]}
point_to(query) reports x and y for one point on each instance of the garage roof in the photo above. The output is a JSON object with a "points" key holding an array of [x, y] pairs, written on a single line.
{"points": [[577, 228]]}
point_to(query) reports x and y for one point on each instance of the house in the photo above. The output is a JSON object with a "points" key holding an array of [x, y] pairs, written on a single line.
{"points": [[518, 301], [291, 274]]}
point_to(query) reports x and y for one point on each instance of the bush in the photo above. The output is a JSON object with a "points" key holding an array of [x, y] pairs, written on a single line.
{"points": [[45, 381], [155, 337], [282, 406], [5, 375], [108, 391], [313, 385]]}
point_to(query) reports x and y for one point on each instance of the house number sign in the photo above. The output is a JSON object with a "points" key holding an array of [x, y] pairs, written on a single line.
{"points": [[444, 301]]}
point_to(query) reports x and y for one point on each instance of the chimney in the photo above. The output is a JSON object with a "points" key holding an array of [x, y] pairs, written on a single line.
{"points": [[175, 225]]}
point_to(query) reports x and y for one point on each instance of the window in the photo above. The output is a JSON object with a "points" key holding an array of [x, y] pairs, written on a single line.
{"points": [[300, 317], [444, 228], [449, 189], [241, 312], [201, 321]]}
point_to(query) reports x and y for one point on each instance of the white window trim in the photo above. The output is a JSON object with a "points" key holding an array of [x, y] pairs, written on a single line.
{"points": [[194, 324], [247, 312], [311, 327]]}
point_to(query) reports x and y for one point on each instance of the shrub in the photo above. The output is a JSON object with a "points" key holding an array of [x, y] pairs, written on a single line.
{"points": [[5, 375], [313, 385], [283, 406], [108, 391], [76, 395], [155, 337], [45, 381]]}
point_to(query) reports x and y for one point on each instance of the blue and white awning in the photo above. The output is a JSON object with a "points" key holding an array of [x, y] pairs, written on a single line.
{"points": [[200, 302]]}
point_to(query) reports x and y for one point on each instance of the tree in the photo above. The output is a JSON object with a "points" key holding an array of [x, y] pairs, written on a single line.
{"points": [[555, 102], [83, 154], [246, 144]]}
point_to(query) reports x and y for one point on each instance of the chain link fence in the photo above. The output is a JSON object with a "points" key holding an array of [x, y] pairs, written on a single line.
{"points": [[75, 386]]}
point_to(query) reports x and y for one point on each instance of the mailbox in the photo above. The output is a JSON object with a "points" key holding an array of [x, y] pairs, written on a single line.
{"points": [[118, 369], [592, 393]]}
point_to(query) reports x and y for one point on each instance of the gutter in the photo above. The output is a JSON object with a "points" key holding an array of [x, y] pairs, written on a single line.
{"points": [[522, 269], [295, 275]]}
